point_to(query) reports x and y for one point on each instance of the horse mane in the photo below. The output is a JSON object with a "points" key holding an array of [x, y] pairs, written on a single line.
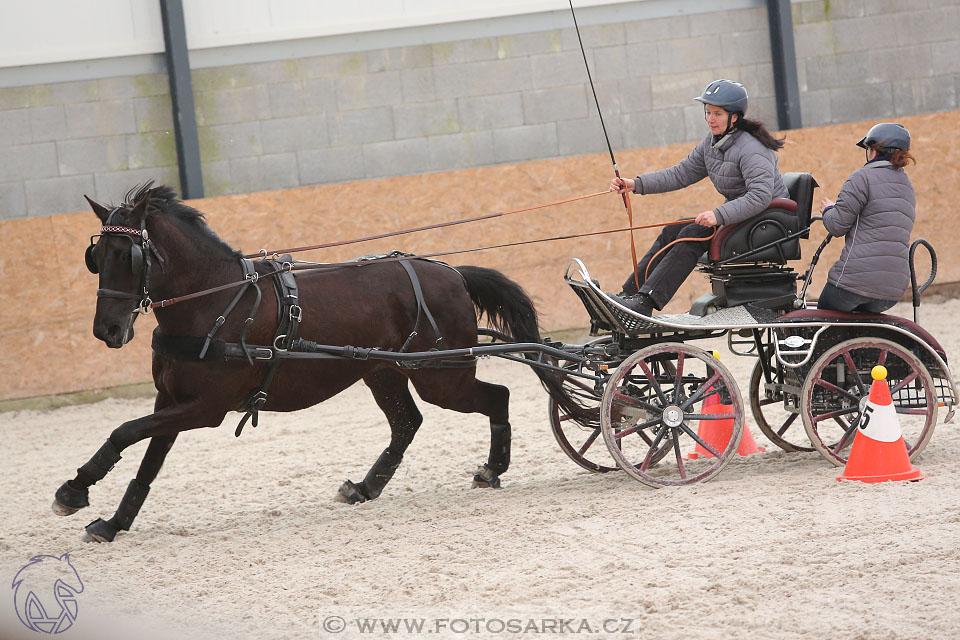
{"points": [[164, 200]]}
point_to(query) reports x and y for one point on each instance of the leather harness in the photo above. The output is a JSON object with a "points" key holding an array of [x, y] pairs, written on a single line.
{"points": [[286, 336]]}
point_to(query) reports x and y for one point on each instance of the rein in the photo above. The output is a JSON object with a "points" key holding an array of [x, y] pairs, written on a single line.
{"points": [[440, 225], [306, 266]]}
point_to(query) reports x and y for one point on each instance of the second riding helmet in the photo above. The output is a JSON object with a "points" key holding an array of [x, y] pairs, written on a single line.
{"points": [[725, 94], [886, 135]]}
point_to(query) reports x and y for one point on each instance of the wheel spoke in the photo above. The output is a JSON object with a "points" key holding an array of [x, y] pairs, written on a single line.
{"points": [[678, 385], [636, 427], [842, 442], [701, 391], [699, 440], [913, 376], [709, 416], [589, 441], [787, 423], [918, 411], [835, 414], [653, 382], [882, 360], [676, 450], [630, 401], [832, 387], [652, 449], [853, 369]]}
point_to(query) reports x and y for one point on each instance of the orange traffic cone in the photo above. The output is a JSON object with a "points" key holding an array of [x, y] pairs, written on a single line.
{"points": [[717, 433], [879, 453]]}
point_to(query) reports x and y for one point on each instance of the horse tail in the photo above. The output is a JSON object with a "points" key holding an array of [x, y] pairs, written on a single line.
{"points": [[510, 310]]}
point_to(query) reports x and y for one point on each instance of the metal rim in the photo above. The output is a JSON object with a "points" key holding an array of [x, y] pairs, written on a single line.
{"points": [[831, 420], [666, 383]]}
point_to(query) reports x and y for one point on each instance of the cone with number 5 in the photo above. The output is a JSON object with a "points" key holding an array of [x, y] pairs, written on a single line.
{"points": [[879, 453]]}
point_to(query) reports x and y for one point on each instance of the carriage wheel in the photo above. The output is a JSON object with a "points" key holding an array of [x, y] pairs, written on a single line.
{"points": [[837, 387], [581, 443], [781, 427], [655, 397]]}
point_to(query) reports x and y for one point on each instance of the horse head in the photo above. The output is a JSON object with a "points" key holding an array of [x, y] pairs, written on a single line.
{"points": [[122, 255]]}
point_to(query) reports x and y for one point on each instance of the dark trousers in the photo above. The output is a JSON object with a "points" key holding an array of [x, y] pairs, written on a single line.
{"points": [[670, 268], [838, 299]]}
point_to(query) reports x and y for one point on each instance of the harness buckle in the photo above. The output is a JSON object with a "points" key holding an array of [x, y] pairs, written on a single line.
{"points": [[296, 313], [146, 306]]}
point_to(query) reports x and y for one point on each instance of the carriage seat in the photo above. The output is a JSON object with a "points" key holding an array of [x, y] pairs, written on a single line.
{"points": [[783, 218]]}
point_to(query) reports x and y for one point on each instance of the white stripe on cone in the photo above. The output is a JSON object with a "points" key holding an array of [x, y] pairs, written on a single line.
{"points": [[879, 422]]}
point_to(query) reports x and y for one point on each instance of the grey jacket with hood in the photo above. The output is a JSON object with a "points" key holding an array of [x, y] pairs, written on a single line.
{"points": [[741, 168], [875, 211]]}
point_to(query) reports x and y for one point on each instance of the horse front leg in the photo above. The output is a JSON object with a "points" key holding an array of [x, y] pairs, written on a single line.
{"points": [[73, 495], [393, 396], [101, 530]]}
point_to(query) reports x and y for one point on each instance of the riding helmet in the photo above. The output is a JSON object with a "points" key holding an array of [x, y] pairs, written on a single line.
{"points": [[886, 135], [725, 94]]}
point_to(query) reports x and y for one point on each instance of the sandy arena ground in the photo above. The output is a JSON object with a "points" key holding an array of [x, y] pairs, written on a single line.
{"points": [[240, 538]]}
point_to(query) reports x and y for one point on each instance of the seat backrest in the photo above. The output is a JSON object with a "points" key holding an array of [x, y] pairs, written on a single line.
{"points": [[801, 186]]}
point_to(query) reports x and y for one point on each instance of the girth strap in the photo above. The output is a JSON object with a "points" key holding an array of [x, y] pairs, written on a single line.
{"points": [[421, 307], [289, 315]]}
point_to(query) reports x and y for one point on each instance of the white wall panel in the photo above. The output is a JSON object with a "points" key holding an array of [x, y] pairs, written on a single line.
{"points": [[45, 31]]}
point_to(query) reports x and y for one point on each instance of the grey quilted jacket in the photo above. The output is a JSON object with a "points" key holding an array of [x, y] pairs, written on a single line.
{"points": [[875, 211], [742, 169]]}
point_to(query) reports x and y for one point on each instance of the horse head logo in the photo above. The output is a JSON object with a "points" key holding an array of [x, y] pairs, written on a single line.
{"points": [[45, 593]]}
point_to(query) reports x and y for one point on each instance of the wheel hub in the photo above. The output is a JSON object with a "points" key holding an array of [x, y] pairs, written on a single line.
{"points": [[672, 416]]}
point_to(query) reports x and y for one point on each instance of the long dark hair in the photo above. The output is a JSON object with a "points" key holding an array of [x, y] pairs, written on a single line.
{"points": [[759, 131]]}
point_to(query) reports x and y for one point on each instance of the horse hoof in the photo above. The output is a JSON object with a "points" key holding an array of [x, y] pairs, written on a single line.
{"points": [[68, 500], [99, 531], [62, 509], [350, 493], [485, 478], [89, 537]]}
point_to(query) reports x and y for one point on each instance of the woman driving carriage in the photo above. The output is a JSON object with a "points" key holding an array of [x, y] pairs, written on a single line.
{"points": [[877, 204], [739, 156]]}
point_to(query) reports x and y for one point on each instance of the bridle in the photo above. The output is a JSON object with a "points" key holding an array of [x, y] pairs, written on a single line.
{"points": [[141, 249]]}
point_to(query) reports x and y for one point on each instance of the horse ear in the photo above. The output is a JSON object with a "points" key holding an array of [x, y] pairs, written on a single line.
{"points": [[101, 211], [139, 211]]}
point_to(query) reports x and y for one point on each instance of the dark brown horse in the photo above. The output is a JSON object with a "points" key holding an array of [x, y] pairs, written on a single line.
{"points": [[155, 247]]}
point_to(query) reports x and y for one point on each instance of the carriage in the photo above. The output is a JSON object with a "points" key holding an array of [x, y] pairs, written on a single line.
{"points": [[811, 377], [640, 383]]}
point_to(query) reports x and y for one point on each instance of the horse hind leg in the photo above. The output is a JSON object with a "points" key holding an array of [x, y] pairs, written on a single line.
{"points": [[393, 396], [466, 394], [101, 530], [498, 460]]}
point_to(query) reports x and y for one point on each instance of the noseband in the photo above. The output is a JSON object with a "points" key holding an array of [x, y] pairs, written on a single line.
{"points": [[140, 262]]}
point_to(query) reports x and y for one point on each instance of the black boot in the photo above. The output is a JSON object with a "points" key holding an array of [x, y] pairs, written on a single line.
{"points": [[638, 303]]}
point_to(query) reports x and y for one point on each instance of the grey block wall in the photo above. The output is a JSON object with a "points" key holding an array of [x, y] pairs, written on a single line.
{"points": [[450, 105]]}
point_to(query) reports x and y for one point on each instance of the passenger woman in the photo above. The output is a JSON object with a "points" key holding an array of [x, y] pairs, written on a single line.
{"points": [[739, 156], [874, 212]]}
